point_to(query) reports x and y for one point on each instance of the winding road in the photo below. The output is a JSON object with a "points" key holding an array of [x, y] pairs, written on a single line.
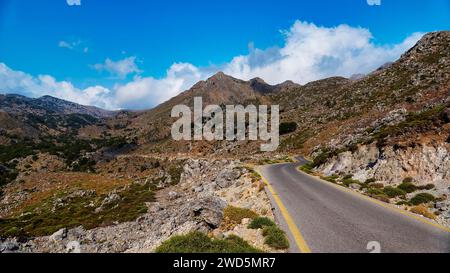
{"points": [[322, 217]]}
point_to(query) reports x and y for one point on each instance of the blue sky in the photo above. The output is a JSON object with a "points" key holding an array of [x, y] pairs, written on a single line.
{"points": [[136, 54]]}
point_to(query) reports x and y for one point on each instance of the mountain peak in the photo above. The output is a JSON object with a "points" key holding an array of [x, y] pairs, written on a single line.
{"points": [[219, 76]]}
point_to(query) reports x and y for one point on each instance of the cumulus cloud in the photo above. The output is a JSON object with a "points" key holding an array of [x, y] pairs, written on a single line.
{"points": [[312, 52], [73, 2], [309, 53], [17, 82], [144, 92], [120, 69]]}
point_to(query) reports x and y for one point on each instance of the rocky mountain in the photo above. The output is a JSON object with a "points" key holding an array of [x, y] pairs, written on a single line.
{"points": [[17, 105], [31, 118], [122, 171]]}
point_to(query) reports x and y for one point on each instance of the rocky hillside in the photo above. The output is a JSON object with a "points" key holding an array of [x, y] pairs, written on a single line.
{"points": [[111, 172], [24, 117]]}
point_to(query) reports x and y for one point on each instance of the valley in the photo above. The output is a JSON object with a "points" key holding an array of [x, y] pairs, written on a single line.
{"points": [[77, 178]]}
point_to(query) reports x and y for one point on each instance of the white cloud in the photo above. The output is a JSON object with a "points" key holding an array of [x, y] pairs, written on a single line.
{"points": [[121, 68], [374, 2], [309, 53], [73, 45], [18, 82], [73, 2], [144, 92]]}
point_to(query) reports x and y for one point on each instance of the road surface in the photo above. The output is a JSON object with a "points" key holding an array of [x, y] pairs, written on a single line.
{"points": [[325, 218]]}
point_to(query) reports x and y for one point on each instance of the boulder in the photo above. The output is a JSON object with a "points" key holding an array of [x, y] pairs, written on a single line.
{"points": [[73, 247], [226, 177], [173, 195], [59, 235], [8, 246], [209, 210]]}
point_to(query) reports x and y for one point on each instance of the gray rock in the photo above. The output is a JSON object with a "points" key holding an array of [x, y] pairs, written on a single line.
{"points": [[209, 210], [73, 247], [173, 195], [442, 206], [110, 199], [198, 189], [355, 186], [8, 246], [59, 235], [226, 177]]}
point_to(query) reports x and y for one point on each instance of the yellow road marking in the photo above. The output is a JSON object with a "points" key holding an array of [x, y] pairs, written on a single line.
{"points": [[385, 205], [298, 237]]}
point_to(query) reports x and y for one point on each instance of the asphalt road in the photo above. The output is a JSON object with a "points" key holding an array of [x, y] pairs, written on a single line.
{"points": [[333, 220]]}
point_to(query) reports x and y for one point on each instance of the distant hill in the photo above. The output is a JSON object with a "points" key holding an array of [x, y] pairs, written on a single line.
{"points": [[17, 105]]}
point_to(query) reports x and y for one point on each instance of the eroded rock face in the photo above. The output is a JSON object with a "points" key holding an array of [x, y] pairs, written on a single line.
{"points": [[425, 163]]}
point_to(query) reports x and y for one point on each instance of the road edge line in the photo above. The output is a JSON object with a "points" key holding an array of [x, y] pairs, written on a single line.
{"points": [[380, 203], [298, 237]]}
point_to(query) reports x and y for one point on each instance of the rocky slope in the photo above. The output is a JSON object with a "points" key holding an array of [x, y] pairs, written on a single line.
{"points": [[196, 203], [122, 171]]}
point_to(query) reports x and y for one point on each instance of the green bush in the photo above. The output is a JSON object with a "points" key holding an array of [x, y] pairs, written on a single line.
{"points": [[347, 182], [408, 180], [307, 168], [403, 203], [197, 242], [348, 176], [331, 178], [260, 222], [382, 197], [427, 187], [288, 127], [422, 198], [375, 192], [370, 180], [394, 192], [275, 237], [407, 187]]}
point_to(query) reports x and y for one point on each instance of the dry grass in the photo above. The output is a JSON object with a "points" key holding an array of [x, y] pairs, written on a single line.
{"points": [[422, 210], [41, 186], [233, 216]]}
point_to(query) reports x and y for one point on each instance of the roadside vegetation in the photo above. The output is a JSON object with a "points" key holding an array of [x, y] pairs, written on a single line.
{"points": [[197, 242], [233, 216], [398, 195], [274, 236], [285, 159]]}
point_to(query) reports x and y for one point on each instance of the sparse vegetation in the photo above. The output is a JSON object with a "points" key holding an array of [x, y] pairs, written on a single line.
{"points": [[376, 185], [332, 178], [307, 168], [422, 210], [233, 216], [407, 187], [382, 197], [69, 210], [426, 187], [197, 242], [370, 180], [275, 237], [422, 198], [348, 181], [394, 192], [260, 222]]}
